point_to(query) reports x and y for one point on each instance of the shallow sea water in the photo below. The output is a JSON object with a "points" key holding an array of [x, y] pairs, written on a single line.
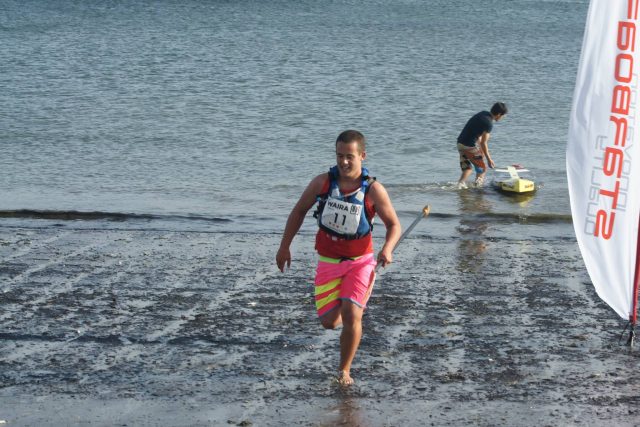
{"points": [[227, 110]]}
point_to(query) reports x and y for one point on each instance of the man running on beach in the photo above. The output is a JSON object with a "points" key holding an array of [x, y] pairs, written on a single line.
{"points": [[473, 144], [348, 198]]}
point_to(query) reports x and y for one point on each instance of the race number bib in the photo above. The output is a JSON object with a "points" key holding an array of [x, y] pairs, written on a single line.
{"points": [[340, 216]]}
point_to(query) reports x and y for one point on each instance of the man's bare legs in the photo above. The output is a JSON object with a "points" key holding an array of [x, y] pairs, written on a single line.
{"points": [[464, 176], [349, 339], [350, 316], [480, 179]]}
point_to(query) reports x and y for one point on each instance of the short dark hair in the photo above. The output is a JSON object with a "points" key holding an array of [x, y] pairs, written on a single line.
{"points": [[352, 136], [499, 108]]}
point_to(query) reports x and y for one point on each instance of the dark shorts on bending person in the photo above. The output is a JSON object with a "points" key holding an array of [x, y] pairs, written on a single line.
{"points": [[471, 157]]}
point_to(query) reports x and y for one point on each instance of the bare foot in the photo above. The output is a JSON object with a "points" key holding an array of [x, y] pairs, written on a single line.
{"points": [[344, 379]]}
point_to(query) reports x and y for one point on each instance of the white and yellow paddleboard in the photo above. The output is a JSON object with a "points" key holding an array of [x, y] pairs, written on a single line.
{"points": [[514, 184]]}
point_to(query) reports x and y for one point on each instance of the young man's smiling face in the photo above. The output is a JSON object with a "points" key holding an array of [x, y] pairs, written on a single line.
{"points": [[349, 159]]}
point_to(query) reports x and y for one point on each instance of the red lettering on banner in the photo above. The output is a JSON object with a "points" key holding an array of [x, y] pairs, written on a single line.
{"points": [[621, 100], [601, 224], [613, 158], [632, 9], [613, 194], [626, 36], [619, 61], [621, 130]]}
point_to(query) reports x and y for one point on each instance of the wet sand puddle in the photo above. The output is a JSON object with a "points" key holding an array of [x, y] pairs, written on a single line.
{"points": [[194, 328]]}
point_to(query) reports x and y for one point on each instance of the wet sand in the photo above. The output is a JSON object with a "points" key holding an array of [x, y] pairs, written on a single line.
{"points": [[126, 327]]}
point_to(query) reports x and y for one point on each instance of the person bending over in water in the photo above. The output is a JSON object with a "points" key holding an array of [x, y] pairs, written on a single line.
{"points": [[473, 143], [348, 198]]}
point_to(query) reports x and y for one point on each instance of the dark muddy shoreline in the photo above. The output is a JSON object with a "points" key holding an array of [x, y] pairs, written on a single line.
{"points": [[125, 327]]}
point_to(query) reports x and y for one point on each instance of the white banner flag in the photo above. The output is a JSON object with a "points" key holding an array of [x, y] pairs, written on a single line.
{"points": [[603, 151]]}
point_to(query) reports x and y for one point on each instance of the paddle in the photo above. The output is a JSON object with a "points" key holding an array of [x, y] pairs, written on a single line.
{"points": [[423, 214]]}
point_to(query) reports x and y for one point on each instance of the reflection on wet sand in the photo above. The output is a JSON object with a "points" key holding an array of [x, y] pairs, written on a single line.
{"points": [[345, 412], [472, 245]]}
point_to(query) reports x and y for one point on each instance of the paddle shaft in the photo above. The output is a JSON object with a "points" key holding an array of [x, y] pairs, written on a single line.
{"points": [[424, 213]]}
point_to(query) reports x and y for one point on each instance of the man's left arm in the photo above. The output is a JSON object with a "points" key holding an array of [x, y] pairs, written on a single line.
{"points": [[484, 146], [387, 213]]}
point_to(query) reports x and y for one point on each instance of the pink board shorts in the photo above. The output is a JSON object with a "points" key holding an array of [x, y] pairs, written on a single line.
{"points": [[337, 280]]}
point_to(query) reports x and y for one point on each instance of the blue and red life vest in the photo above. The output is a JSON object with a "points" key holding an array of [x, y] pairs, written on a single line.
{"points": [[345, 215]]}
